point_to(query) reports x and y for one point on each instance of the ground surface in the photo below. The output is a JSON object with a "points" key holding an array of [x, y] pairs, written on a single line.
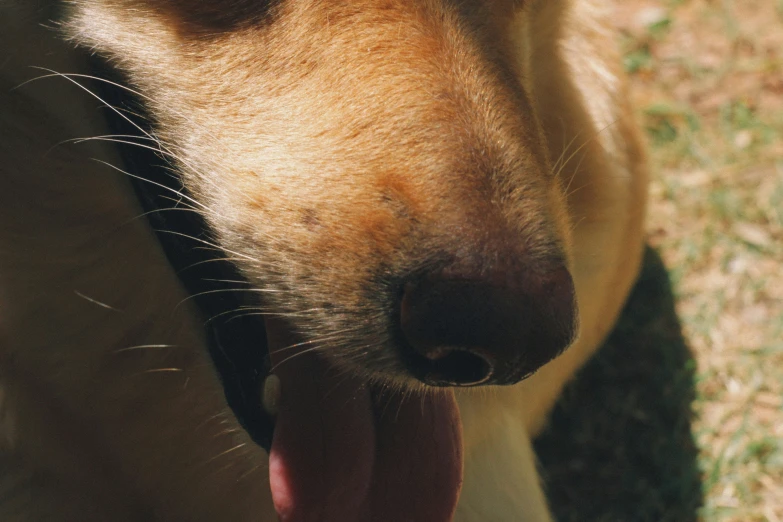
{"points": [[690, 386]]}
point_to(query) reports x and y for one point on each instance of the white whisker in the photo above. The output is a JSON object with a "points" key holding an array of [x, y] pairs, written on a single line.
{"points": [[95, 301], [226, 452], [145, 347], [180, 194]]}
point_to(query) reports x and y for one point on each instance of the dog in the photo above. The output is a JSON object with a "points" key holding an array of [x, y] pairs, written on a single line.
{"points": [[434, 209]]}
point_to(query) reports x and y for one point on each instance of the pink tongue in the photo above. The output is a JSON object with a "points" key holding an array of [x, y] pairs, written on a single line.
{"points": [[342, 453]]}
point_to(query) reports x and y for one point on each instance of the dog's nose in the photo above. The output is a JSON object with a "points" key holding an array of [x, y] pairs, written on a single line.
{"points": [[497, 328]]}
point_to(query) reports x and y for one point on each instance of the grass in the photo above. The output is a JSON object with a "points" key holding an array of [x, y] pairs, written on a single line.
{"points": [[681, 416]]}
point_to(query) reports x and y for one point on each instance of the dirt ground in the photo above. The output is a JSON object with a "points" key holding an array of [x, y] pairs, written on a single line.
{"points": [[690, 386]]}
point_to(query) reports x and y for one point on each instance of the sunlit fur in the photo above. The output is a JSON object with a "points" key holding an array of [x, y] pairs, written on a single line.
{"points": [[334, 147]]}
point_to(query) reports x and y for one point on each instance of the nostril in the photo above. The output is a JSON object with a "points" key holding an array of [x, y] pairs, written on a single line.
{"points": [[442, 348], [456, 368]]}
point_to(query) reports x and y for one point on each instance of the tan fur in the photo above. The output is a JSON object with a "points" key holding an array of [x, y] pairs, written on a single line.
{"points": [[320, 139]]}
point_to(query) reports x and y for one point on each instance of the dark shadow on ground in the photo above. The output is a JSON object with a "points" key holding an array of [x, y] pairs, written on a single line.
{"points": [[619, 446]]}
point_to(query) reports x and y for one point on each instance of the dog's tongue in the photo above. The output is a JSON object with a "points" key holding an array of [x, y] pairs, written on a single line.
{"points": [[343, 453]]}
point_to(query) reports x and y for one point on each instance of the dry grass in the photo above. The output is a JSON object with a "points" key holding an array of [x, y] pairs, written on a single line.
{"points": [[708, 80]]}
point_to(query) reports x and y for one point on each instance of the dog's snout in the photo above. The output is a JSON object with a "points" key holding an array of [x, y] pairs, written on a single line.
{"points": [[488, 329]]}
